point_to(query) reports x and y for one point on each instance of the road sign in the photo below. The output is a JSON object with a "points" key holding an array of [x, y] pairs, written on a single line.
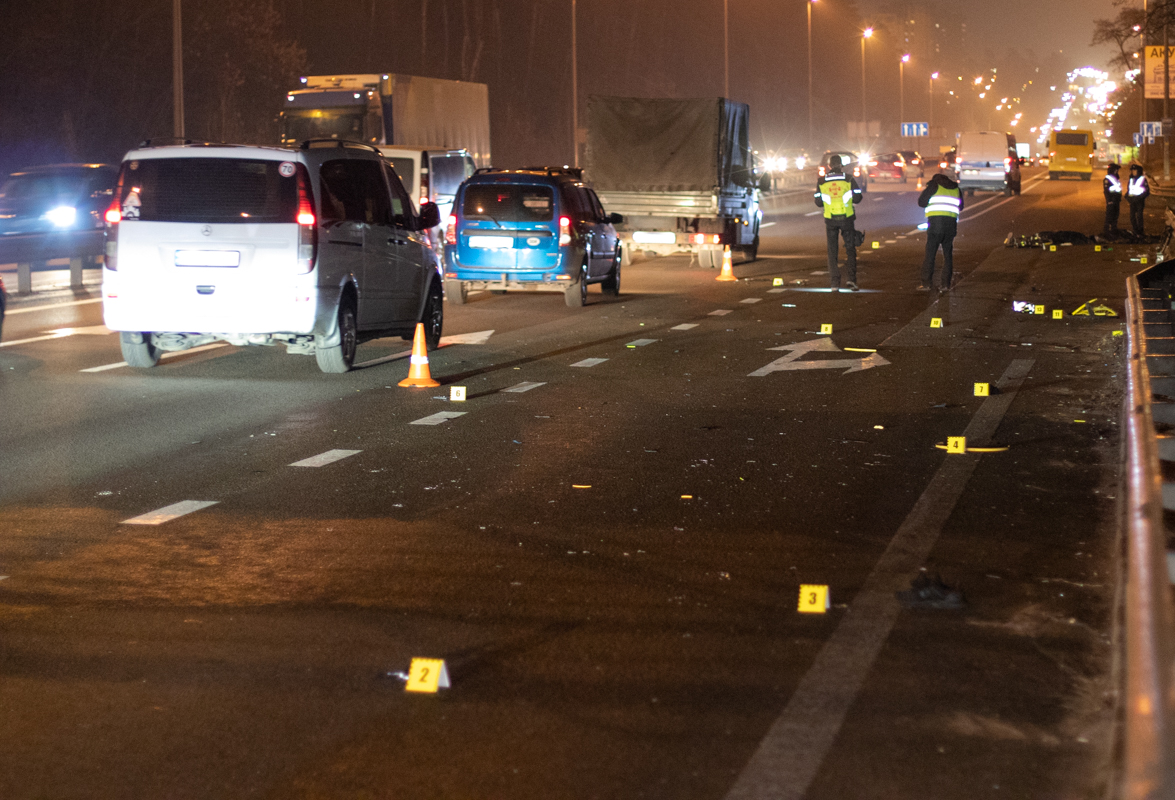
{"points": [[799, 349], [1150, 129], [915, 129], [1138, 140]]}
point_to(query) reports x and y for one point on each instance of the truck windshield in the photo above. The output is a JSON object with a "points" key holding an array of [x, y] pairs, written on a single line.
{"points": [[210, 190], [509, 203], [322, 123]]}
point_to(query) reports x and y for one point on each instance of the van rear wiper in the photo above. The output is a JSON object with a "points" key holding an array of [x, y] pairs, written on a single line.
{"points": [[483, 216]]}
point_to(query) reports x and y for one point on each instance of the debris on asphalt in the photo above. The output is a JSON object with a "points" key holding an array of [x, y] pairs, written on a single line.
{"points": [[929, 591]]}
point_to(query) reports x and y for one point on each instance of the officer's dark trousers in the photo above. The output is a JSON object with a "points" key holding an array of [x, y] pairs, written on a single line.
{"points": [[1112, 209], [844, 227], [940, 232], [1136, 208]]}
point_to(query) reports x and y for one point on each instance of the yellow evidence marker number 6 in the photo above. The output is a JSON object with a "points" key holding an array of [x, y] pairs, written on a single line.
{"points": [[427, 675], [813, 599]]}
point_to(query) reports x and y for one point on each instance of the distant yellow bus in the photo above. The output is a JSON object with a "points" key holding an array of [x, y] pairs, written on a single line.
{"points": [[1071, 153]]}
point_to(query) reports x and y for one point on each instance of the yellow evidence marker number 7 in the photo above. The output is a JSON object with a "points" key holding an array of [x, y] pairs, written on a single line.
{"points": [[427, 675], [813, 599]]}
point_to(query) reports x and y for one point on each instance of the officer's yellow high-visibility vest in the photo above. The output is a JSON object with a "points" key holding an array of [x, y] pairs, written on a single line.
{"points": [[837, 195], [944, 203]]}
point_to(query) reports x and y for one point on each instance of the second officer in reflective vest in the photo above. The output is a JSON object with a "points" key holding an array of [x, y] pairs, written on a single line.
{"points": [[1137, 191], [836, 193], [943, 201], [1112, 189]]}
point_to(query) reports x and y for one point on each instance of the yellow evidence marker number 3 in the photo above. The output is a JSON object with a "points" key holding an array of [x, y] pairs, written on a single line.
{"points": [[813, 599], [427, 675]]}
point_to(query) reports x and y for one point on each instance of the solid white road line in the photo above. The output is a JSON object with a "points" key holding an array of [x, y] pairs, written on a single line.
{"points": [[795, 746], [322, 459], [168, 513], [438, 418], [685, 326], [105, 367], [589, 362], [525, 386], [31, 309]]}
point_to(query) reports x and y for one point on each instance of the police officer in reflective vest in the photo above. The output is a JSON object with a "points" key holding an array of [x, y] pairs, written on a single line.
{"points": [[836, 193], [1112, 189], [943, 200], [1137, 191]]}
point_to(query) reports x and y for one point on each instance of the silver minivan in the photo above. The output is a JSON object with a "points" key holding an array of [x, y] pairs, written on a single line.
{"points": [[987, 160], [317, 248]]}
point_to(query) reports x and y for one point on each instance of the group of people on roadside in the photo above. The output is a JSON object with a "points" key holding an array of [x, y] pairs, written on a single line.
{"points": [[837, 193]]}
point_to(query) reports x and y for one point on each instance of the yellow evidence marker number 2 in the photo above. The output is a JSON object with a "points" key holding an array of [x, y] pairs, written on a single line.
{"points": [[427, 675], [813, 599]]}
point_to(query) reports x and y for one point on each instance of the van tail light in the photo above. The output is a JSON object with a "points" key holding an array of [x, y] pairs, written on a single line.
{"points": [[423, 198], [1007, 163], [113, 216], [451, 230], [564, 231], [307, 223]]}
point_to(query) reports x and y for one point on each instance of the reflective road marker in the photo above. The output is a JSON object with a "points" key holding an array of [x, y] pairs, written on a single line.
{"points": [[525, 386], [438, 418], [168, 513], [791, 753], [589, 362], [322, 459]]}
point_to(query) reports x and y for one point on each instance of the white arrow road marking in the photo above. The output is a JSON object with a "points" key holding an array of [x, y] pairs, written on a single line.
{"points": [[480, 337], [799, 349]]}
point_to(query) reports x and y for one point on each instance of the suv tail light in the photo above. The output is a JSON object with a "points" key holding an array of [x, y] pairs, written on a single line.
{"points": [[451, 230], [113, 216], [307, 223], [564, 231]]}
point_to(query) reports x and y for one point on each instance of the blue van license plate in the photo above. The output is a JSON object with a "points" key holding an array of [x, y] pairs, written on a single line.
{"points": [[492, 242]]}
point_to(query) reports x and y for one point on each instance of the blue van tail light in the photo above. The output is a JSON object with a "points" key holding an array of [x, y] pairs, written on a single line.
{"points": [[307, 224], [451, 230], [564, 231]]}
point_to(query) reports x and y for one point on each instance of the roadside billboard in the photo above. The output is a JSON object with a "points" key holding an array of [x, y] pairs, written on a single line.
{"points": [[1153, 70]]}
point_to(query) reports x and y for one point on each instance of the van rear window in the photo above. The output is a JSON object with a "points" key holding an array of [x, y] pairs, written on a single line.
{"points": [[1078, 139], [507, 202], [211, 190], [448, 172]]}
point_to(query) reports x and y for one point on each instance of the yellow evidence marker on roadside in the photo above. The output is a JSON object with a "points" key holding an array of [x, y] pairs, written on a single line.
{"points": [[1117, 333], [814, 599], [1142, 260], [457, 394], [777, 281], [1058, 313], [826, 328], [982, 390], [1097, 248], [877, 245], [957, 444], [1038, 309], [427, 675], [1052, 248], [936, 322]]}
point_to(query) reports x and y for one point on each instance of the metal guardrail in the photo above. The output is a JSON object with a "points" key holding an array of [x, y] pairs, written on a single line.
{"points": [[1148, 768], [82, 248]]}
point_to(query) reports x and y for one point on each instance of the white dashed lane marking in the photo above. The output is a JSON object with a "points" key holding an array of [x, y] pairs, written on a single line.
{"points": [[751, 300], [589, 362], [685, 326], [776, 291], [105, 367], [640, 342], [722, 312], [31, 309], [438, 418], [525, 386], [168, 513], [322, 459], [813, 213]]}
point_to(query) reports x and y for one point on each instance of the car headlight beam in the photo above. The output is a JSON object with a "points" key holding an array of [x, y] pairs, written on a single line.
{"points": [[62, 216]]}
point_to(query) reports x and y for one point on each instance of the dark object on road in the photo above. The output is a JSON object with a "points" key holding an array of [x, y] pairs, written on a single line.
{"points": [[1064, 237], [929, 591]]}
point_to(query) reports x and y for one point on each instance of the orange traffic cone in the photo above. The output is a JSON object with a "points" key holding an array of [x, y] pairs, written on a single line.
{"points": [[418, 374], [727, 273]]}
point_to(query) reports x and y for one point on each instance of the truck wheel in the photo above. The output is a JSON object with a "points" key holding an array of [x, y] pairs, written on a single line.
{"points": [[1053, 176], [752, 251], [433, 317], [341, 356], [140, 354], [611, 284], [575, 295], [456, 293]]}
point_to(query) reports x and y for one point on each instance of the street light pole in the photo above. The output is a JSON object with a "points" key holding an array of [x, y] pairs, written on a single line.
{"points": [[177, 71], [726, 48], [574, 91], [902, 89], [930, 122], [868, 32], [811, 136]]}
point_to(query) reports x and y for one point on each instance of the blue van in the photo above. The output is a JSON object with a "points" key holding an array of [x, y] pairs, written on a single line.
{"points": [[533, 229]]}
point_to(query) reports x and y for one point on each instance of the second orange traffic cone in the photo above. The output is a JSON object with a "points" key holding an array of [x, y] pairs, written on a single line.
{"points": [[418, 374], [727, 273]]}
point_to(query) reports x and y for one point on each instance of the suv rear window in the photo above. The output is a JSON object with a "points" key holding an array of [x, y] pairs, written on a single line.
{"points": [[506, 202], [212, 190]]}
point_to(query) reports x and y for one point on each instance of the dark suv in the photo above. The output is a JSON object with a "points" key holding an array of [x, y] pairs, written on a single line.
{"points": [[536, 229], [54, 211]]}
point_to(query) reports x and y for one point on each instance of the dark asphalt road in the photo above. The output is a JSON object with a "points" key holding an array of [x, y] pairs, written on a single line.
{"points": [[637, 637]]}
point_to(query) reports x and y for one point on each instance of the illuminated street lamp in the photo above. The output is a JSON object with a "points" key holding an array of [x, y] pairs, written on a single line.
{"points": [[865, 34]]}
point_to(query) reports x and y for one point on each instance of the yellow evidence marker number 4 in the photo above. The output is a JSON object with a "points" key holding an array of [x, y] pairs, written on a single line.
{"points": [[427, 675], [813, 599], [956, 444]]}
